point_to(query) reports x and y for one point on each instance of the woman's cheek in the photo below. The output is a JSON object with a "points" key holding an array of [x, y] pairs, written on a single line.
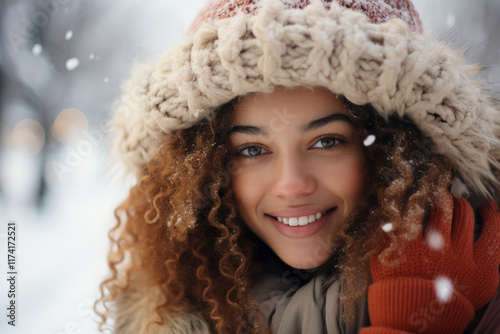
{"points": [[246, 187], [346, 178]]}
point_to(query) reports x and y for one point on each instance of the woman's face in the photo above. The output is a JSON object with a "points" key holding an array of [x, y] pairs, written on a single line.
{"points": [[299, 170]]}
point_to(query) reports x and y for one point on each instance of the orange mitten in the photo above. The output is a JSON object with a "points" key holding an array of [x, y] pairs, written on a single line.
{"points": [[442, 277]]}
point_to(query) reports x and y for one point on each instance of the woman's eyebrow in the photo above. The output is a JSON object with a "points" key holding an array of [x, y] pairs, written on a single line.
{"points": [[257, 131], [248, 129], [337, 117]]}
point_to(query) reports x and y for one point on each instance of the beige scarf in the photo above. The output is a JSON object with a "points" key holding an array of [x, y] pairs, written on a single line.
{"points": [[296, 301]]}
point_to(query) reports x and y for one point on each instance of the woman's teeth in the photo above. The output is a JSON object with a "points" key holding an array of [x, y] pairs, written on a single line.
{"points": [[302, 220]]}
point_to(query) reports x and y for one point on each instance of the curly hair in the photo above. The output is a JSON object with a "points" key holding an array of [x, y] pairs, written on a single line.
{"points": [[183, 233], [405, 177]]}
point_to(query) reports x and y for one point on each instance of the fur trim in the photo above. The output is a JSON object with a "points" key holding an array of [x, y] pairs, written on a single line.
{"points": [[385, 64], [134, 313]]}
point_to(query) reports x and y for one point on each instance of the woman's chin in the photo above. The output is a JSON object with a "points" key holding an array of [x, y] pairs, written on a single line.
{"points": [[305, 262]]}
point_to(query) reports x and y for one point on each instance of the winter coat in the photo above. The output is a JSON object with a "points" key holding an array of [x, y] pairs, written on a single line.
{"points": [[135, 308]]}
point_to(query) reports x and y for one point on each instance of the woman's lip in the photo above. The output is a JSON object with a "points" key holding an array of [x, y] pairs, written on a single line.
{"points": [[301, 231], [298, 212]]}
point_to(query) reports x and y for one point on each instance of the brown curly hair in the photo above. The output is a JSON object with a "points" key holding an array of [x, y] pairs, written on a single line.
{"points": [[182, 230], [405, 177]]}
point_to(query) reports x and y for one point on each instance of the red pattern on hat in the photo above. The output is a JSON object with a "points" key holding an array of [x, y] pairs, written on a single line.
{"points": [[377, 11]]}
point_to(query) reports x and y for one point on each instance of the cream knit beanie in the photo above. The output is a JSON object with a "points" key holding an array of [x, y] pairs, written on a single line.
{"points": [[370, 51]]}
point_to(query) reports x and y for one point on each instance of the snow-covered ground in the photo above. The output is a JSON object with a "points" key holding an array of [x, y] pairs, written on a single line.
{"points": [[61, 247], [62, 244]]}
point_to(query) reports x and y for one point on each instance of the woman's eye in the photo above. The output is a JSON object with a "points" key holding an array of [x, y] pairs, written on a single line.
{"points": [[252, 151], [327, 142]]}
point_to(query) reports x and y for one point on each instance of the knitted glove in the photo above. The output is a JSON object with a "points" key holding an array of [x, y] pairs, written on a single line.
{"points": [[437, 289]]}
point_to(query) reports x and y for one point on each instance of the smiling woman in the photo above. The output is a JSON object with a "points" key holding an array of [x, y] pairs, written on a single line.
{"points": [[306, 167]]}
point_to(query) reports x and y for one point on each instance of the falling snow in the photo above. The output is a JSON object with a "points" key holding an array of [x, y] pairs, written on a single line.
{"points": [[450, 20], [387, 227], [458, 188], [444, 289], [435, 240], [68, 35], [72, 63], [198, 112], [37, 49], [77, 201], [369, 140], [106, 79]]}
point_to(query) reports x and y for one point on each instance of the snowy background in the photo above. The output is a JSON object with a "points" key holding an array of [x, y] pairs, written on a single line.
{"points": [[61, 65]]}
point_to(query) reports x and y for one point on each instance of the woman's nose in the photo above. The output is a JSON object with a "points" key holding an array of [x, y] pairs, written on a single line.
{"points": [[292, 178]]}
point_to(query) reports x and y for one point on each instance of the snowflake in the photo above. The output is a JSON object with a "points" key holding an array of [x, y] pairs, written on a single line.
{"points": [[444, 289]]}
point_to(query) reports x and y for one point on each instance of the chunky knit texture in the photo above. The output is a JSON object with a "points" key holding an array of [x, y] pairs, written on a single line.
{"points": [[322, 44], [411, 304], [405, 297]]}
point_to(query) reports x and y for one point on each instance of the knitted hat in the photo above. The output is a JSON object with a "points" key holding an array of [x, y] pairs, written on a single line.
{"points": [[370, 51]]}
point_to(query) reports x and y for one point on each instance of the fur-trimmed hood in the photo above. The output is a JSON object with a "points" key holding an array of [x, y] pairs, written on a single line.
{"points": [[134, 313]]}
